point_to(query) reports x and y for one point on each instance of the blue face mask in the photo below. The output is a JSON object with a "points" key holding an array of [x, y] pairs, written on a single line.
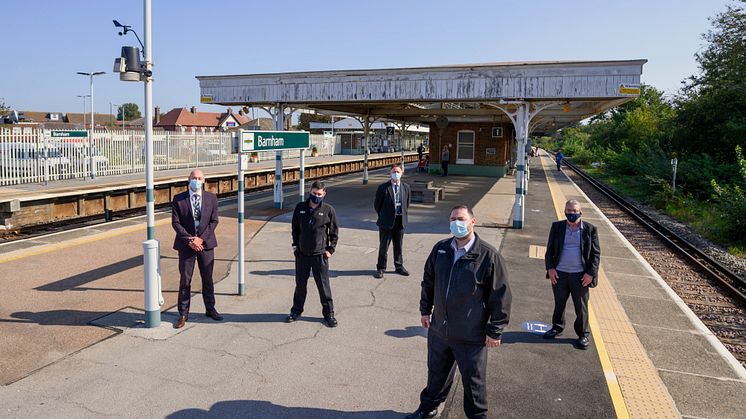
{"points": [[459, 229], [195, 185], [395, 175], [572, 217], [316, 199]]}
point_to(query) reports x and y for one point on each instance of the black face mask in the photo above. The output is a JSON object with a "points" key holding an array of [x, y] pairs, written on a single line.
{"points": [[572, 217], [316, 199]]}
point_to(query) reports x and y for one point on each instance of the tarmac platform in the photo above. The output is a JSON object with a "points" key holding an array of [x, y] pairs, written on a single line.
{"points": [[72, 343]]}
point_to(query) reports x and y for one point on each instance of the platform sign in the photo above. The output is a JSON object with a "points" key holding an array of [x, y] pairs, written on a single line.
{"points": [[536, 327], [629, 89], [274, 140], [68, 134]]}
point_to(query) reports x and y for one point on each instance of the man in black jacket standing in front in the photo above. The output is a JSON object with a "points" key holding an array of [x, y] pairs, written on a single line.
{"points": [[392, 204], [466, 281], [314, 230], [572, 260]]}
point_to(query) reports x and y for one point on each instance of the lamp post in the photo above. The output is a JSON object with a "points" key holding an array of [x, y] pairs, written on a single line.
{"points": [[132, 69], [84, 108], [111, 112], [91, 75]]}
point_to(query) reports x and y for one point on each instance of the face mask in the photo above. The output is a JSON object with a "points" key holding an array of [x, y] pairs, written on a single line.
{"points": [[395, 175], [195, 185], [316, 199], [572, 217], [459, 229]]}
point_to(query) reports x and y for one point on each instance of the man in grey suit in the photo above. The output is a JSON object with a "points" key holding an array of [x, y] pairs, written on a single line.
{"points": [[392, 204], [194, 217], [572, 260]]}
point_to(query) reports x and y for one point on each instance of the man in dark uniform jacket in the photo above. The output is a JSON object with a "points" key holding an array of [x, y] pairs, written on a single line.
{"points": [[392, 204], [466, 282], [194, 217], [572, 260], [314, 230]]}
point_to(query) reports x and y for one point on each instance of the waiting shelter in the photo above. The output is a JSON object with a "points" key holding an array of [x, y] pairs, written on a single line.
{"points": [[485, 112]]}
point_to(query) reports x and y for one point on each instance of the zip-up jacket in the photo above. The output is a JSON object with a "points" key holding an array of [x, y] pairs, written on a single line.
{"points": [[314, 229], [471, 298]]}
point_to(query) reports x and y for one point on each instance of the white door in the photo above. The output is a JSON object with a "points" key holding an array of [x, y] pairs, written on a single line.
{"points": [[465, 147]]}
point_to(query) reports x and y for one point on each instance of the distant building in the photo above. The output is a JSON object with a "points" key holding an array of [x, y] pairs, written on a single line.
{"points": [[59, 120], [190, 120]]}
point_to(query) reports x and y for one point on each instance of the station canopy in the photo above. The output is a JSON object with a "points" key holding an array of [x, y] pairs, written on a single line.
{"points": [[562, 92]]}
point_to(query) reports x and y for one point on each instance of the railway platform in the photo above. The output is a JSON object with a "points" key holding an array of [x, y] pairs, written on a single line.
{"points": [[72, 345]]}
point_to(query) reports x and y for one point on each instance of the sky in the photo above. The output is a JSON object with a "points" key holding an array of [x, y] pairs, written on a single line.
{"points": [[46, 45]]}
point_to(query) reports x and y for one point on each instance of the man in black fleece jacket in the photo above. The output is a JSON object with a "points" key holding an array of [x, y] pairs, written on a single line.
{"points": [[465, 304]]}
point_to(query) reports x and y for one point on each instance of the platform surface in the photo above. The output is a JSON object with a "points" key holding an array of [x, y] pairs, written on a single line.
{"points": [[95, 360]]}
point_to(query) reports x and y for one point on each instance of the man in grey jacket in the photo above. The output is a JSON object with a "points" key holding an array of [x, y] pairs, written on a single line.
{"points": [[465, 304]]}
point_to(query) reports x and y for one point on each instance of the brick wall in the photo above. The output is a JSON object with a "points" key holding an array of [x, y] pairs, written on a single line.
{"points": [[482, 138]]}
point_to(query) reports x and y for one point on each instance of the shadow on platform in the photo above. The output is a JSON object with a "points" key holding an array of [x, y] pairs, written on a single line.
{"points": [[267, 410]]}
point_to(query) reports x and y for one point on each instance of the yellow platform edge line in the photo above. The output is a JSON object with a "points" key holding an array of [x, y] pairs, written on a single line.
{"points": [[48, 248], [615, 390]]}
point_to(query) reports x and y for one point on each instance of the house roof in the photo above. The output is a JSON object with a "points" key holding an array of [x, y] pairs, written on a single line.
{"points": [[187, 118]]}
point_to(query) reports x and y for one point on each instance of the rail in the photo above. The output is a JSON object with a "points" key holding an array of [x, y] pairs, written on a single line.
{"points": [[722, 274], [52, 209]]}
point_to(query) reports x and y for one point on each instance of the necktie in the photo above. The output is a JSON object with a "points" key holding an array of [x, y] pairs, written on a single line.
{"points": [[397, 199], [196, 206]]}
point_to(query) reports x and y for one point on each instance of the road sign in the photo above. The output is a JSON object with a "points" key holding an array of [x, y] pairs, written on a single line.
{"points": [[68, 134], [274, 140]]}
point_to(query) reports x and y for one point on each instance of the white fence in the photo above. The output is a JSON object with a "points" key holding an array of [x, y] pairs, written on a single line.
{"points": [[34, 156]]}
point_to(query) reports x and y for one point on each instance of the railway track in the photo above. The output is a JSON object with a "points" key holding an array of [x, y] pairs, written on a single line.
{"points": [[715, 293]]}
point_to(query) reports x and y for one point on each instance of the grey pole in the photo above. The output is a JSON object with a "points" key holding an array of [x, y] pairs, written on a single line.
{"points": [[302, 182], [367, 147], [674, 164], [152, 308], [90, 136], [520, 126], [241, 246], [279, 126]]}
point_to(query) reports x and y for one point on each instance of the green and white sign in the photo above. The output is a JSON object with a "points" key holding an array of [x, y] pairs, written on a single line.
{"points": [[274, 140], [69, 134]]}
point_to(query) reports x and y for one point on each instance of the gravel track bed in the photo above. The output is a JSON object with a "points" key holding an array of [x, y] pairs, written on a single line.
{"points": [[723, 315]]}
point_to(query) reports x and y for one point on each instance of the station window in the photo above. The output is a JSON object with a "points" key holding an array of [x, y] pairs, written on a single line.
{"points": [[465, 147]]}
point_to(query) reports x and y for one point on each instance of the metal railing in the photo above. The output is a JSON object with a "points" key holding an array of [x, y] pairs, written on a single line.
{"points": [[35, 156]]}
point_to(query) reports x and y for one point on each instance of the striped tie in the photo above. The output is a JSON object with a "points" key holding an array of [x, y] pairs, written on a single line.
{"points": [[196, 206]]}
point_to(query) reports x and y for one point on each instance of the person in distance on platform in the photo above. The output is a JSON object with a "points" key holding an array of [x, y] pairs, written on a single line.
{"points": [[445, 157], [314, 232], [559, 159], [194, 217], [465, 304], [420, 151], [572, 260], [392, 205]]}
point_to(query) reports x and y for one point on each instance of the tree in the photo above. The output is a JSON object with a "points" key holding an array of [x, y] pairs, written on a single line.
{"points": [[129, 111], [712, 106], [305, 119]]}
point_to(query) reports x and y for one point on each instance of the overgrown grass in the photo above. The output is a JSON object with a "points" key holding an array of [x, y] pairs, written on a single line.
{"points": [[701, 216]]}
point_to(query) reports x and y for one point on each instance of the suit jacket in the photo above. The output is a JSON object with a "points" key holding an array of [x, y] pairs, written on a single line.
{"points": [[182, 221], [386, 207], [590, 250]]}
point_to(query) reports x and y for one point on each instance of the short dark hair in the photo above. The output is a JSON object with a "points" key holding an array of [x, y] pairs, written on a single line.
{"points": [[317, 184], [464, 207], [397, 165]]}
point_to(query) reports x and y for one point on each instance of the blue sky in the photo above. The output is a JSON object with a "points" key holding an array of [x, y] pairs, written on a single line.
{"points": [[46, 45]]}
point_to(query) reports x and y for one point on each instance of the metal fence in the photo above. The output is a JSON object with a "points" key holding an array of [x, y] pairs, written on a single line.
{"points": [[35, 155]]}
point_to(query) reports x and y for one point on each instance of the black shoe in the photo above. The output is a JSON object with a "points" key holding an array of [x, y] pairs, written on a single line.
{"points": [[378, 274], [552, 333], [291, 318], [402, 271], [330, 321], [583, 343], [419, 414], [213, 314]]}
